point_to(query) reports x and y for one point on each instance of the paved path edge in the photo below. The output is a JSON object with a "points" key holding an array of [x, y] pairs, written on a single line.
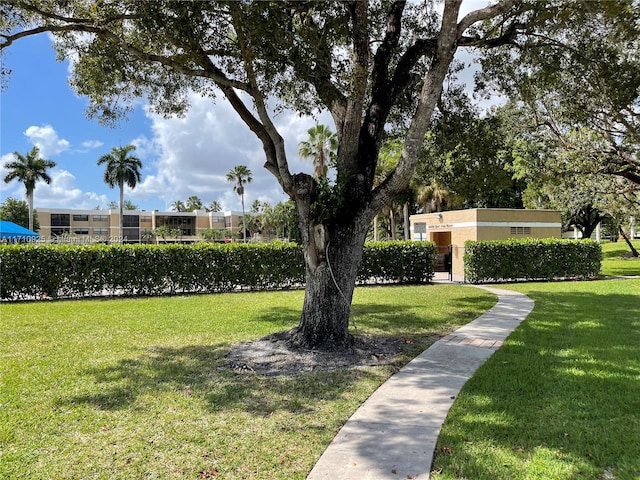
{"points": [[393, 433]]}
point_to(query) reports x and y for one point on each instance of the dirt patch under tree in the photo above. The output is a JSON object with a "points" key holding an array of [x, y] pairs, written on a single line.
{"points": [[275, 354]]}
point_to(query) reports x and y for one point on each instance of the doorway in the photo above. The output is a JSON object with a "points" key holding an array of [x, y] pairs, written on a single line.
{"points": [[443, 251]]}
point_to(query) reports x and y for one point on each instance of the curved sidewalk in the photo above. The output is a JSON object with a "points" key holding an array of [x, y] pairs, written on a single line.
{"points": [[394, 432]]}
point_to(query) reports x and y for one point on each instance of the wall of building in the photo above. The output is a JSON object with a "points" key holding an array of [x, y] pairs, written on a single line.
{"points": [[458, 226], [103, 226]]}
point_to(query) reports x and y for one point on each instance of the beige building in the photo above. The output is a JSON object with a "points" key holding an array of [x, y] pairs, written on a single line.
{"points": [[103, 226], [450, 230]]}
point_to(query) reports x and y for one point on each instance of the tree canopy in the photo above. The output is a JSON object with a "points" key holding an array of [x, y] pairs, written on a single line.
{"points": [[579, 82]]}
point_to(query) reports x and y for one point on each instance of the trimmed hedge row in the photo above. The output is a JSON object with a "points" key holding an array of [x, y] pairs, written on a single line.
{"points": [[397, 262], [531, 259], [40, 271]]}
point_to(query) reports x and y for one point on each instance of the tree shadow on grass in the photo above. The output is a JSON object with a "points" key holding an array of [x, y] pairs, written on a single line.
{"points": [[403, 318], [202, 371], [564, 387]]}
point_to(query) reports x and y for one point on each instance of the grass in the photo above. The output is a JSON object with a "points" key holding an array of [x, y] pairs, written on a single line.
{"points": [[137, 389], [617, 259], [561, 398]]}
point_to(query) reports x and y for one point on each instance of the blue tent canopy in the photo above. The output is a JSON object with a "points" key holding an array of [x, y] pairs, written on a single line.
{"points": [[15, 233]]}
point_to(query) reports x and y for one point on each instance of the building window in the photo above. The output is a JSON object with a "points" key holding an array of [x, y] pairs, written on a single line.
{"points": [[520, 230], [100, 231], [60, 220], [81, 231], [145, 219], [130, 235], [101, 218], [131, 221], [81, 218], [218, 219]]}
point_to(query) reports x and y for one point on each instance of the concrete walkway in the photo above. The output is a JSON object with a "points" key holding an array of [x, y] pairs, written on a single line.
{"points": [[393, 434]]}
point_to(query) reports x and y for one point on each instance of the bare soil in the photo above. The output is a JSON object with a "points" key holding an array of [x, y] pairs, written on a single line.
{"points": [[276, 354]]}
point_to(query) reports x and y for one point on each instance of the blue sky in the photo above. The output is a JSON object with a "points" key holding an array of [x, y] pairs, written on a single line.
{"points": [[181, 156]]}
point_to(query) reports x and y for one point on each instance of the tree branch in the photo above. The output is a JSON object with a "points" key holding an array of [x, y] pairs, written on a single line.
{"points": [[349, 135], [399, 179], [382, 58], [484, 14], [272, 141]]}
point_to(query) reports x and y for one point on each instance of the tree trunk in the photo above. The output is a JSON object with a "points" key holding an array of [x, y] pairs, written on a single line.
{"points": [[634, 252], [30, 203], [392, 223], [587, 229], [375, 228], [405, 212], [244, 225], [121, 238], [332, 258], [333, 252]]}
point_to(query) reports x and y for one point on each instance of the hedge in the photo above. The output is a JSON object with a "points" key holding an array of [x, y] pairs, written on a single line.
{"points": [[35, 271], [531, 259]]}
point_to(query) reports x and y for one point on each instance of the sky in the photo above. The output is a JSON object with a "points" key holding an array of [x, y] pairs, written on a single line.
{"points": [[180, 156]]}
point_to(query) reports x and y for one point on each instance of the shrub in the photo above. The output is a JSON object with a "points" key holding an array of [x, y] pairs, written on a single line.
{"points": [[531, 259], [42, 270], [397, 262]]}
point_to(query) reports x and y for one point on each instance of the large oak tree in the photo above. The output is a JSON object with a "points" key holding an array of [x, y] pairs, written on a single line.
{"points": [[366, 62]]}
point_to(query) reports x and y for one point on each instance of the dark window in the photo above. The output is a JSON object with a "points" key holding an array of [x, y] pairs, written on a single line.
{"points": [[81, 231], [130, 235], [131, 221], [184, 224], [60, 220], [81, 218], [100, 218]]}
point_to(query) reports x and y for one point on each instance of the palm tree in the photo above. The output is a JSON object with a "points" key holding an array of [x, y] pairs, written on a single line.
{"points": [[121, 168], [387, 161], [240, 175], [268, 220], [194, 203], [215, 206], [179, 206], [28, 170], [433, 197], [321, 147]]}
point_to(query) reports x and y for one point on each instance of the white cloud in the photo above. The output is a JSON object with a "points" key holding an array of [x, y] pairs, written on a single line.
{"points": [[63, 193], [47, 140], [13, 189], [92, 144], [193, 155]]}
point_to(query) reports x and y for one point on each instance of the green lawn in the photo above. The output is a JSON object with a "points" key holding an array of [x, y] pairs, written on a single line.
{"points": [[561, 398], [137, 389], [617, 259]]}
